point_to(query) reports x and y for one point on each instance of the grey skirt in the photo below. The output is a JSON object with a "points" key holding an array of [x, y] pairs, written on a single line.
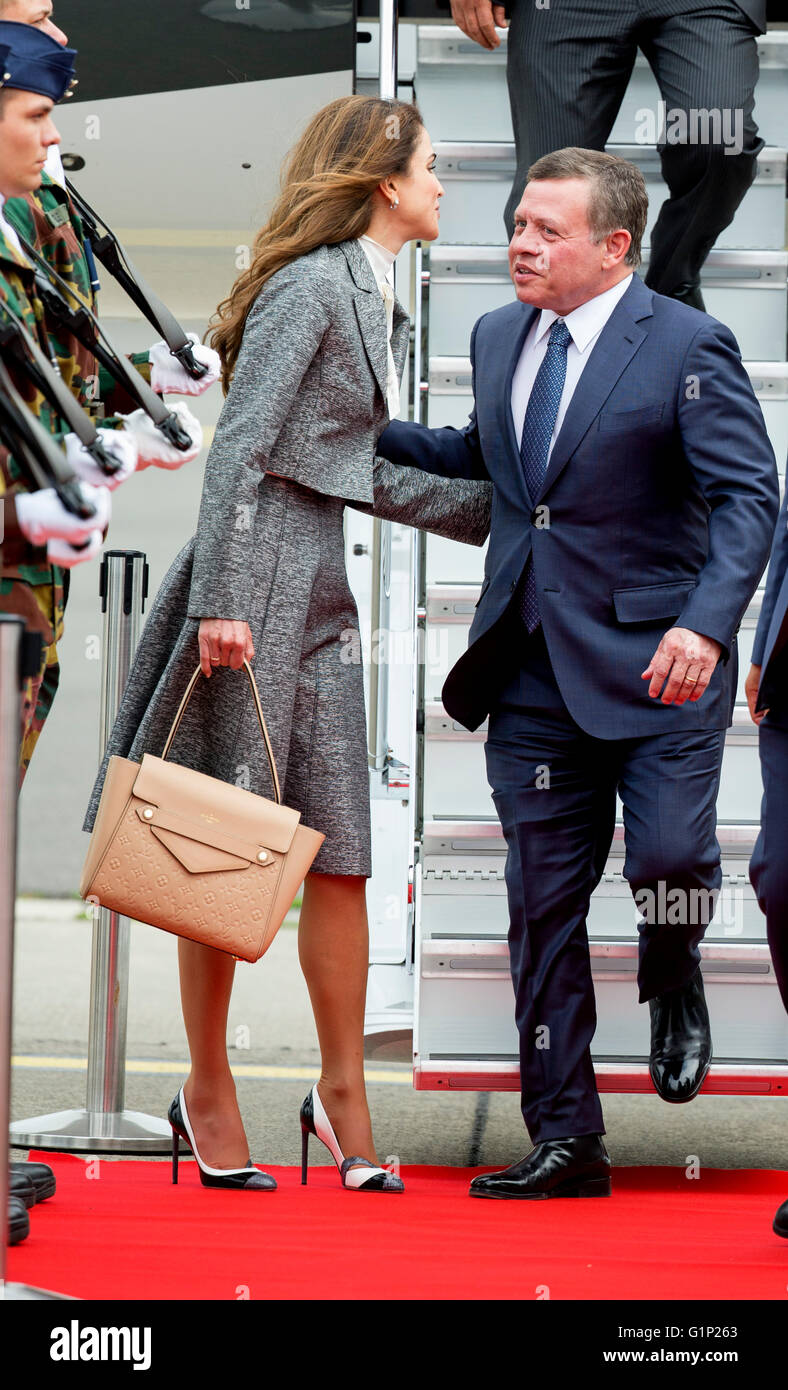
{"points": [[304, 622]]}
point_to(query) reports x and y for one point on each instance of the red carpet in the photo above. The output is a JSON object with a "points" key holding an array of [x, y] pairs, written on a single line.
{"points": [[127, 1233]]}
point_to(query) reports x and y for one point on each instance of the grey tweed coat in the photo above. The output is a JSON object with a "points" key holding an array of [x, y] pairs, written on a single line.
{"points": [[307, 404], [313, 414]]}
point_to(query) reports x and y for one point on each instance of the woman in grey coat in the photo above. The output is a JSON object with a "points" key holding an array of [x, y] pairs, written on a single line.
{"points": [[313, 343]]}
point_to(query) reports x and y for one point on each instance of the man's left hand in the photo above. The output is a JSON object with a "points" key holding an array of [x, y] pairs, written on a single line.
{"points": [[683, 663]]}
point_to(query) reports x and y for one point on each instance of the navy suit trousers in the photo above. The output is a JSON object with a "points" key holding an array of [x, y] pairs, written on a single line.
{"points": [[769, 863], [554, 787]]}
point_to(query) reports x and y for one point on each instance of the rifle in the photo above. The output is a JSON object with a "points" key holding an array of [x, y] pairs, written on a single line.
{"points": [[37, 451], [106, 246], [39, 366], [66, 308]]}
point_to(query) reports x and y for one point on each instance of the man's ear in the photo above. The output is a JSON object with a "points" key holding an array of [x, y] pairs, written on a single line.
{"points": [[616, 246]]}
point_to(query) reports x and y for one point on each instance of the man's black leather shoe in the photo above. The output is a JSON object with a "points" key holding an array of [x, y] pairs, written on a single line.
{"points": [[575, 1167], [780, 1223], [690, 293], [20, 1186], [18, 1221], [41, 1176], [680, 1041]]}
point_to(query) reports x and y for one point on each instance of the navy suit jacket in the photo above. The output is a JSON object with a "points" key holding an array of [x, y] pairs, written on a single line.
{"points": [[661, 496], [770, 648]]}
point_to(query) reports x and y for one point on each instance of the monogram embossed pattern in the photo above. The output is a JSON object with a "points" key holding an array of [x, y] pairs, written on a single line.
{"points": [[229, 910]]}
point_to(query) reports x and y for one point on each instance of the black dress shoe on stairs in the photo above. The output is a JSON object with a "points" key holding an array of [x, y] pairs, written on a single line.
{"points": [[680, 1041], [690, 293], [574, 1167], [780, 1223]]}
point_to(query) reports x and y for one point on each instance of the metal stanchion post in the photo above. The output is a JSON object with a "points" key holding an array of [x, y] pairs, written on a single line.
{"points": [[12, 670], [105, 1125]]}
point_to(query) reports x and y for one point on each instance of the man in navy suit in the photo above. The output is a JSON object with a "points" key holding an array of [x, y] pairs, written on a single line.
{"points": [[767, 695], [634, 500]]}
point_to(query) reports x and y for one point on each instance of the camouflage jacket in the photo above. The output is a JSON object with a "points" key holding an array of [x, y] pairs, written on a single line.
{"points": [[17, 289], [20, 559], [48, 220]]}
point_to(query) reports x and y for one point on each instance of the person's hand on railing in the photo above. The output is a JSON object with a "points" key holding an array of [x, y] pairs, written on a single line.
{"points": [[479, 19], [224, 642]]}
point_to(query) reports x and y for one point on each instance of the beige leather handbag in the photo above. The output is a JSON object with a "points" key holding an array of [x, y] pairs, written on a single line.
{"points": [[194, 855]]}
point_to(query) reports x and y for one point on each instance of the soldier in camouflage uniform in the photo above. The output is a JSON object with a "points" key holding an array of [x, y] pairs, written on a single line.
{"points": [[29, 584], [48, 221]]}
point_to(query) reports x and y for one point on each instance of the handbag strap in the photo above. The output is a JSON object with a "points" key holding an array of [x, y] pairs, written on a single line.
{"points": [[187, 694]]}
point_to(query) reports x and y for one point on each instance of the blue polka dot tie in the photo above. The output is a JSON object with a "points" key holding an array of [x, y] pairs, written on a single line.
{"points": [[538, 426]]}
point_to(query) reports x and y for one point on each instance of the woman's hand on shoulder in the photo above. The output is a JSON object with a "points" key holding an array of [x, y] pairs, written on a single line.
{"points": [[224, 642]]}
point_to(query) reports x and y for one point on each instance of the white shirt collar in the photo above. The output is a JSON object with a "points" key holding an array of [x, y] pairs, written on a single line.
{"points": [[8, 231], [54, 165], [585, 322], [379, 257]]}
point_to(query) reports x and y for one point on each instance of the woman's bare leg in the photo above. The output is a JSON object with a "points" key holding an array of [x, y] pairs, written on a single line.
{"points": [[333, 947], [206, 986]]}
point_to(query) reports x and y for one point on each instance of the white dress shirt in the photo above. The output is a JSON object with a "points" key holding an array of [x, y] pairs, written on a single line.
{"points": [[585, 325], [382, 260]]}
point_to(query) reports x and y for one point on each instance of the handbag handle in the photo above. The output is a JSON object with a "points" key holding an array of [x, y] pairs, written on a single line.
{"points": [[187, 694]]}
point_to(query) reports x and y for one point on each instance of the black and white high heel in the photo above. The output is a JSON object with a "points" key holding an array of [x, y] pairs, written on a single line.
{"points": [[248, 1178], [356, 1173]]}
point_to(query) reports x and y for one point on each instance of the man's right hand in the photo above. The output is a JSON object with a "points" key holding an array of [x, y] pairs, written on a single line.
{"points": [[478, 19], [224, 642], [751, 691]]}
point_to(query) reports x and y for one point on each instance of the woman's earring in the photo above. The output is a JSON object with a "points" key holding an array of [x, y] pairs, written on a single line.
{"points": [[395, 204]]}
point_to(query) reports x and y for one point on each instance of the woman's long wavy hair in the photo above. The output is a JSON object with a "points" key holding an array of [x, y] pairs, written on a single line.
{"points": [[326, 196]]}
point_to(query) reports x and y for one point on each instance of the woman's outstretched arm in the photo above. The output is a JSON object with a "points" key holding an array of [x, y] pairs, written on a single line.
{"points": [[456, 508]]}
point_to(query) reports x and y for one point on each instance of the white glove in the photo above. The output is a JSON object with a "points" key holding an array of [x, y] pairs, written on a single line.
{"points": [[168, 374], [118, 443], [153, 447], [61, 553], [42, 516]]}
